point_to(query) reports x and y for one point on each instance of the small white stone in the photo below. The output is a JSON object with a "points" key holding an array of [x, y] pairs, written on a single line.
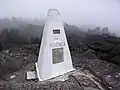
{"points": [[117, 75], [11, 54], [108, 76], [7, 51], [110, 87], [12, 76]]}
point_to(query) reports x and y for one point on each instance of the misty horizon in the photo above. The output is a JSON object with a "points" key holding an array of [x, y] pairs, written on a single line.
{"points": [[101, 13]]}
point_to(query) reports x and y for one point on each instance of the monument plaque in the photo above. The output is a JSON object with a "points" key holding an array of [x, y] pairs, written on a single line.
{"points": [[57, 55]]}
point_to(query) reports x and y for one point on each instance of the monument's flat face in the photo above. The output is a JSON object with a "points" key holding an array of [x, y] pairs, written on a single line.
{"points": [[54, 56]]}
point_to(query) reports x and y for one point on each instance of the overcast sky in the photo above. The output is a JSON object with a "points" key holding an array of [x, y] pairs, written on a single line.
{"points": [[80, 12]]}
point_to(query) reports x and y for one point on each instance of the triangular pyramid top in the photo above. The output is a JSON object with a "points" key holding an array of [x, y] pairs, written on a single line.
{"points": [[54, 56], [53, 12]]}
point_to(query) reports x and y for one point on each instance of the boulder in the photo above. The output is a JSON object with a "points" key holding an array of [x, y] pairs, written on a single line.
{"points": [[102, 46], [116, 50], [95, 38], [95, 31], [105, 30], [116, 60], [101, 55]]}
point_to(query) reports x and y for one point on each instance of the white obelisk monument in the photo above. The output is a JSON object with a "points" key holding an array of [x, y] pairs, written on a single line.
{"points": [[54, 56]]}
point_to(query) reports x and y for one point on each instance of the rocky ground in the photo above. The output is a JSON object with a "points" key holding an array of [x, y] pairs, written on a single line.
{"points": [[95, 56], [97, 74]]}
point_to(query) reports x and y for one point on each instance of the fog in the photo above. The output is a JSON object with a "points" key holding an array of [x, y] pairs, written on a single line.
{"points": [[79, 12]]}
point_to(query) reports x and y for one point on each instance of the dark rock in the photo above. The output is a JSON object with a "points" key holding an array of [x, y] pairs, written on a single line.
{"points": [[95, 38], [116, 50], [13, 63], [105, 30], [80, 47], [89, 54], [101, 55], [116, 60], [95, 31], [16, 58], [113, 40], [9, 64], [101, 46], [102, 70]]}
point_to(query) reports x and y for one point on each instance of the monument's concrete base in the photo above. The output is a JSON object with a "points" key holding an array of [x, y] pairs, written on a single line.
{"points": [[61, 77]]}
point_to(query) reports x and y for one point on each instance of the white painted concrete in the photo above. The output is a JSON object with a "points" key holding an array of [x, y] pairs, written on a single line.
{"points": [[46, 67], [31, 75]]}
